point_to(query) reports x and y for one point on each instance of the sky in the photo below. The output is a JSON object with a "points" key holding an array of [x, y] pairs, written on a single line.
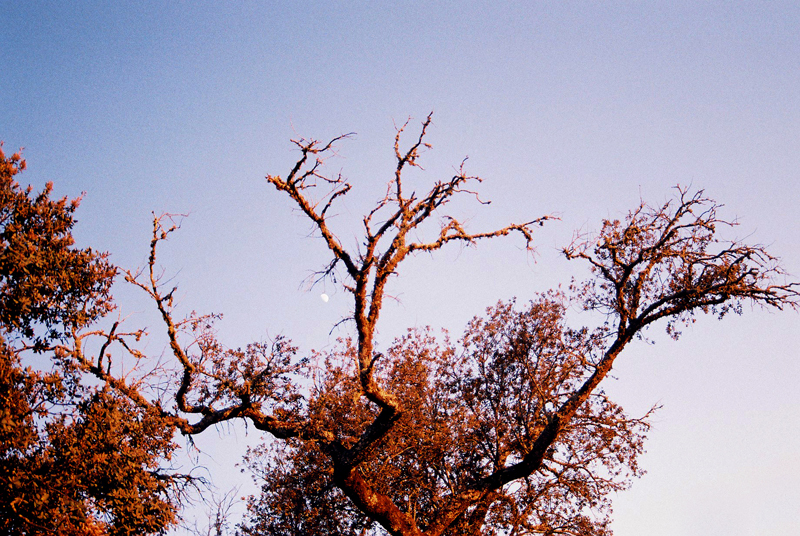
{"points": [[576, 109]]}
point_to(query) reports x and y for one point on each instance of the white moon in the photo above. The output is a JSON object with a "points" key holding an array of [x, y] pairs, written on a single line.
{"points": [[324, 297]]}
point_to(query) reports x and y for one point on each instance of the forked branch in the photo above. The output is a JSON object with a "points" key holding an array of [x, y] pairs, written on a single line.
{"points": [[386, 245]]}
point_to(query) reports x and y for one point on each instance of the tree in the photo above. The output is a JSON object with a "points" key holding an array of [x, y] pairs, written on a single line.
{"points": [[74, 458], [507, 432]]}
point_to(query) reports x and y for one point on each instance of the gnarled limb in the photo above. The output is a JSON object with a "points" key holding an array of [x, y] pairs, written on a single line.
{"points": [[385, 247], [663, 262], [219, 384]]}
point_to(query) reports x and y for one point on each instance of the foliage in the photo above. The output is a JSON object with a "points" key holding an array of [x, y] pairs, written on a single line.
{"points": [[44, 281], [74, 459], [468, 411], [509, 432]]}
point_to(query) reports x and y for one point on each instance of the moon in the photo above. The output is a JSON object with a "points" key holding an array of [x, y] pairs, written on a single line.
{"points": [[324, 297]]}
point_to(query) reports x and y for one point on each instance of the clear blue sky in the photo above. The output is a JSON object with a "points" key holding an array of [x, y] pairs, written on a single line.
{"points": [[570, 108]]}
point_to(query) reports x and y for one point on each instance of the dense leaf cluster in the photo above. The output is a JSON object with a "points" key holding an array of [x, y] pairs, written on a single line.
{"points": [[47, 286], [74, 458], [469, 410]]}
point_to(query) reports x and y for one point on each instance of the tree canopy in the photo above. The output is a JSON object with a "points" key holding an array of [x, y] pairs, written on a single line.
{"points": [[75, 457], [505, 431]]}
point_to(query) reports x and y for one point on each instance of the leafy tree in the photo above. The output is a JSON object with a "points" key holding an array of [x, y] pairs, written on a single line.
{"points": [[74, 459], [467, 413], [506, 432]]}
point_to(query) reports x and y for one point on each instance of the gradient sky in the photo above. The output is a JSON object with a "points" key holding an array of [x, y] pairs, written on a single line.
{"points": [[576, 109]]}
